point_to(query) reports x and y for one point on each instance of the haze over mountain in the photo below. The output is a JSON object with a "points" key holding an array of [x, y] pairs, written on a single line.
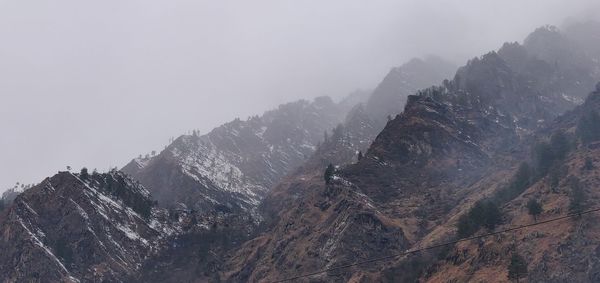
{"points": [[513, 132], [452, 148], [94, 84], [422, 164]]}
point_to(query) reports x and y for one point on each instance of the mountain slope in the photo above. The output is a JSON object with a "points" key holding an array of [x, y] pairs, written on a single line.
{"points": [[562, 251], [232, 167], [450, 146], [79, 228]]}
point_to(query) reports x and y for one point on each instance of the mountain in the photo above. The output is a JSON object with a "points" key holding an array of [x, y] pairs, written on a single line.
{"points": [[510, 139], [232, 168], [207, 189], [108, 228], [70, 228], [452, 146], [267, 159]]}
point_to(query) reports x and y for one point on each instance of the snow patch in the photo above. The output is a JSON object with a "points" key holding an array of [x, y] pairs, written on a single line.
{"points": [[39, 243], [131, 234]]}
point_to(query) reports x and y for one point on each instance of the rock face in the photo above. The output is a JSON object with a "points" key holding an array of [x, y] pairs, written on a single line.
{"points": [[453, 145], [231, 168], [71, 228], [389, 98]]}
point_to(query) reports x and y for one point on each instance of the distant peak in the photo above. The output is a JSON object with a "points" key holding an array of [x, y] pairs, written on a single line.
{"points": [[543, 35], [323, 100]]}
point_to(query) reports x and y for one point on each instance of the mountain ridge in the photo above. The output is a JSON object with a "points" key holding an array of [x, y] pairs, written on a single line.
{"points": [[450, 144], [472, 145]]}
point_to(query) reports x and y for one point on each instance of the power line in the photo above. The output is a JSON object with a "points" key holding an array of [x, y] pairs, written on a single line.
{"points": [[409, 252]]}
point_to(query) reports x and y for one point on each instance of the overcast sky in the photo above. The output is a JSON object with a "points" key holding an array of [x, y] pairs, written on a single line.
{"points": [[96, 83]]}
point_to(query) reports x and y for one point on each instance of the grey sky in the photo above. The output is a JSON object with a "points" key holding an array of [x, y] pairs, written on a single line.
{"points": [[96, 83]]}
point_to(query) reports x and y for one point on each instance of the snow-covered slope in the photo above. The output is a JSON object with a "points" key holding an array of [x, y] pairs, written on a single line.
{"points": [[232, 167]]}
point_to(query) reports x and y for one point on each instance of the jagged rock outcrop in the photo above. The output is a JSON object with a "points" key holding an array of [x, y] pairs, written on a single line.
{"points": [[389, 98]]}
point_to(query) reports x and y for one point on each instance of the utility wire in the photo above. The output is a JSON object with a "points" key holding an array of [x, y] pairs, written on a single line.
{"points": [[408, 252]]}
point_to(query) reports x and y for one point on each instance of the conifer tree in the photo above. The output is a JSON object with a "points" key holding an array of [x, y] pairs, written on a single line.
{"points": [[84, 174], [517, 267], [329, 173], [534, 208]]}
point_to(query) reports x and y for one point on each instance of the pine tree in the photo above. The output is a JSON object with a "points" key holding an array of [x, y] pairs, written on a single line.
{"points": [[360, 155], [588, 127], [483, 214], [543, 157], [466, 226], [329, 173], [560, 145], [517, 267], [520, 181], [338, 133], [577, 195], [487, 214], [534, 208], [523, 176], [84, 174], [589, 164]]}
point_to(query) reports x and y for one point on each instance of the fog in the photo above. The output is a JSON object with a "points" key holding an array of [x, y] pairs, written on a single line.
{"points": [[95, 83]]}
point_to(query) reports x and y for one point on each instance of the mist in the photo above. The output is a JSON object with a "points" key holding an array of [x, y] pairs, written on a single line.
{"points": [[95, 83]]}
